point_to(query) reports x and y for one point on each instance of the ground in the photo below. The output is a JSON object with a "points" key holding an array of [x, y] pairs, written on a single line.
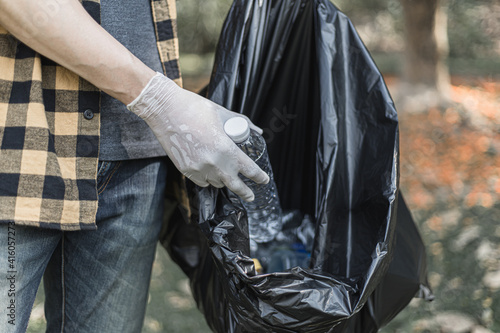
{"points": [[450, 176]]}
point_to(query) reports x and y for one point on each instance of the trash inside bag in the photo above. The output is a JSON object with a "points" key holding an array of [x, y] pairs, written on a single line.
{"points": [[299, 70]]}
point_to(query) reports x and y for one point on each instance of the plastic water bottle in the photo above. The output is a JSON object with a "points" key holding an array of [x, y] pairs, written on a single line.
{"points": [[285, 258], [264, 213]]}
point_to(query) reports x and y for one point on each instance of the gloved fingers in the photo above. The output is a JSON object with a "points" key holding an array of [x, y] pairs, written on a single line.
{"points": [[251, 170], [256, 174], [255, 127], [238, 187], [197, 180], [204, 179], [216, 183]]}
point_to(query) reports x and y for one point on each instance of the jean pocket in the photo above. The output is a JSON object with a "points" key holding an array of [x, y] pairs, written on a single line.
{"points": [[105, 171]]}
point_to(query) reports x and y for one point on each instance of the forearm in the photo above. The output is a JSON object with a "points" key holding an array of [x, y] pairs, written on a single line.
{"points": [[63, 31]]}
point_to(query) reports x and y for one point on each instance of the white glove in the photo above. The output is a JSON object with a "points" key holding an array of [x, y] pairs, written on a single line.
{"points": [[190, 129]]}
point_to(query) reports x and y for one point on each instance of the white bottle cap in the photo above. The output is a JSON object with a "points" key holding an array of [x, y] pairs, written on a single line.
{"points": [[237, 129]]}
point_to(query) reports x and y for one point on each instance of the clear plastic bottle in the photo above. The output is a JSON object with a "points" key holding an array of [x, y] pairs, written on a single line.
{"points": [[285, 258], [264, 213]]}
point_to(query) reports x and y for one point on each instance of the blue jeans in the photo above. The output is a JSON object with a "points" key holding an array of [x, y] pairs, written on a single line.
{"points": [[95, 281]]}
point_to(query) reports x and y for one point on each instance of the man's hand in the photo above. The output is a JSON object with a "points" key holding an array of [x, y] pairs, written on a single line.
{"points": [[190, 129]]}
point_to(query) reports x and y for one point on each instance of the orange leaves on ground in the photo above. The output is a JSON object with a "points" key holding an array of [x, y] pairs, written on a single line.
{"points": [[435, 223], [446, 152], [483, 98]]}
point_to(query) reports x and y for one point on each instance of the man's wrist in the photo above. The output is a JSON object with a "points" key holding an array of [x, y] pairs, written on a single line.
{"points": [[135, 85], [154, 97]]}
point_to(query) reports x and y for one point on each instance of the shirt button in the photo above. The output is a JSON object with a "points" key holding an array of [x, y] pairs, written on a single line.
{"points": [[88, 114]]}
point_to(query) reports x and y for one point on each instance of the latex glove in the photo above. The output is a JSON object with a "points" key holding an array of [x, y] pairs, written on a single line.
{"points": [[190, 129]]}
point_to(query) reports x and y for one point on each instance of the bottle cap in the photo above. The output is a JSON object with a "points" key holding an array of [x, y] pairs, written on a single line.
{"points": [[237, 129]]}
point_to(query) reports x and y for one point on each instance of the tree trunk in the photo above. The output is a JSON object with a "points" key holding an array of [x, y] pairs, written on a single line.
{"points": [[426, 47]]}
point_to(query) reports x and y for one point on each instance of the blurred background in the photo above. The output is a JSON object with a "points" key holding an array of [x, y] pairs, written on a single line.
{"points": [[441, 61]]}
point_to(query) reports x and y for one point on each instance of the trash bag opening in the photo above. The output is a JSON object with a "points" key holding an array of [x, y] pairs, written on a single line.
{"points": [[286, 101]]}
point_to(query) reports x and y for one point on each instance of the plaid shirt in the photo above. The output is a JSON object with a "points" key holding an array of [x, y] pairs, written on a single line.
{"points": [[49, 130]]}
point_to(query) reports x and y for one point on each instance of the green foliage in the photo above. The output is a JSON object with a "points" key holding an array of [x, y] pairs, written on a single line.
{"points": [[468, 29], [199, 24], [471, 25]]}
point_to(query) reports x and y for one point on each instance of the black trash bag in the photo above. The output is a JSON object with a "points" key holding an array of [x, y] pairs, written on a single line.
{"points": [[299, 70]]}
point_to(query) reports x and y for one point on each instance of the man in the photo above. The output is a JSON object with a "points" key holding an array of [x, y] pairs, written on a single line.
{"points": [[81, 177]]}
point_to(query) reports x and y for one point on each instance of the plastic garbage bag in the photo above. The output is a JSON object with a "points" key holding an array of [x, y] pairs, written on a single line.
{"points": [[299, 70]]}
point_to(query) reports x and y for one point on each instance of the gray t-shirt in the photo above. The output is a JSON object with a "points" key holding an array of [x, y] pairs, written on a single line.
{"points": [[124, 135]]}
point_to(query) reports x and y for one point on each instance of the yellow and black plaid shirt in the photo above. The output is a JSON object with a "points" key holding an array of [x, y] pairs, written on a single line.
{"points": [[49, 130]]}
